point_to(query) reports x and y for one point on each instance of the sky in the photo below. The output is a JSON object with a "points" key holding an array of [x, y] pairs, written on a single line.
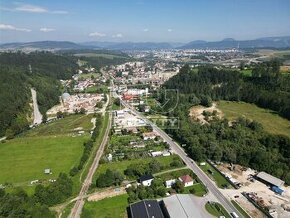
{"points": [[142, 20]]}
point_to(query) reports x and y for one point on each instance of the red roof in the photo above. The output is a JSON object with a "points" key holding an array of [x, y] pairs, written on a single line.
{"points": [[186, 178]]}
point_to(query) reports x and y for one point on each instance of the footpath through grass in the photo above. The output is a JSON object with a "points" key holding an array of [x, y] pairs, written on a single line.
{"points": [[270, 120], [114, 207], [216, 209]]}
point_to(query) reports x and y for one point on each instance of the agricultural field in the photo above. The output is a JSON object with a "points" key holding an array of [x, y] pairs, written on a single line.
{"points": [[55, 145], [270, 120], [108, 207]]}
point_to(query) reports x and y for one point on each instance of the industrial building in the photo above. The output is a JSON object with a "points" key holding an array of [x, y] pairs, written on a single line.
{"points": [[182, 206], [269, 179]]}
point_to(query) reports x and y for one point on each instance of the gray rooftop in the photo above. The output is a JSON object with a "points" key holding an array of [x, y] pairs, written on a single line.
{"points": [[270, 179], [183, 206]]}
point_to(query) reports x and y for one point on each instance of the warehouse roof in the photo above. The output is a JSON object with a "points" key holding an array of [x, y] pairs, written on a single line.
{"points": [[145, 209], [270, 179], [183, 206]]}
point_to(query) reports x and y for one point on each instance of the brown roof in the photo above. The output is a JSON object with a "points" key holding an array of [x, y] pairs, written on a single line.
{"points": [[186, 178]]}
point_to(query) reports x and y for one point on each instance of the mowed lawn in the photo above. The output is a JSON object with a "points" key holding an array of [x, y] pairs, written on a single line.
{"points": [[271, 121], [24, 159], [114, 207]]}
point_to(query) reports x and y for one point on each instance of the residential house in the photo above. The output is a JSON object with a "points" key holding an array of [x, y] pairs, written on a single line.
{"points": [[146, 180], [186, 180]]}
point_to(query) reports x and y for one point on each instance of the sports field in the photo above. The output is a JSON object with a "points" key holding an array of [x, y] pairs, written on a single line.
{"points": [[270, 120]]}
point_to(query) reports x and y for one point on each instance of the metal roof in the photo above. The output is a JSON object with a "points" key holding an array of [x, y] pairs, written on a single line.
{"points": [[146, 209], [183, 206], [270, 179]]}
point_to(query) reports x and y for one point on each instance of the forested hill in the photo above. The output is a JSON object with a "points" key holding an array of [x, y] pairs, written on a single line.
{"points": [[267, 87], [242, 141], [18, 73]]}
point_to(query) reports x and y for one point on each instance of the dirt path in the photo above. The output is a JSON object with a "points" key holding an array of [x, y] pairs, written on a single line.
{"points": [[111, 192], [37, 116]]}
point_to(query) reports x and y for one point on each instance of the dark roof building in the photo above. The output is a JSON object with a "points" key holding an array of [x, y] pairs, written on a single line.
{"points": [[145, 209], [145, 178]]}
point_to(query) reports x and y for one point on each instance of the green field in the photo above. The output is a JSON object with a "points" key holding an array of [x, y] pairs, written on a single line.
{"points": [[65, 126], [240, 209], [88, 75], [55, 145], [122, 165], [114, 207], [24, 159], [216, 210], [219, 179], [270, 120]]}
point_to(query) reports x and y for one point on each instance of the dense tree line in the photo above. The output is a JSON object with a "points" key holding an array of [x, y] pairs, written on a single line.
{"points": [[243, 141], [19, 204], [267, 87], [109, 178], [55, 192], [19, 72]]}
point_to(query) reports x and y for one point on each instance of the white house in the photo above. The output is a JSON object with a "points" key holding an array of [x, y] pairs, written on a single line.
{"points": [[146, 180], [186, 180], [170, 183], [149, 135]]}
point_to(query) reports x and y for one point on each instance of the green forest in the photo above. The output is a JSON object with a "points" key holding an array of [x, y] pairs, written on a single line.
{"points": [[243, 141], [19, 72]]}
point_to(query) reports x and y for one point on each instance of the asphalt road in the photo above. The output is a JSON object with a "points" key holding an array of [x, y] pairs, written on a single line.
{"points": [[190, 163], [37, 116], [77, 209]]}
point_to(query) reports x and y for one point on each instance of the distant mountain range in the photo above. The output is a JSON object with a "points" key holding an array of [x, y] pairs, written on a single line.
{"points": [[266, 42]]}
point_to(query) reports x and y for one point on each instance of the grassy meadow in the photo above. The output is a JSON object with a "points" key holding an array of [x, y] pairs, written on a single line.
{"points": [[53, 146], [108, 207], [270, 120]]}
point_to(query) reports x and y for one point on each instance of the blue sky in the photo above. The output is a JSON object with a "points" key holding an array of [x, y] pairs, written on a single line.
{"points": [[142, 20]]}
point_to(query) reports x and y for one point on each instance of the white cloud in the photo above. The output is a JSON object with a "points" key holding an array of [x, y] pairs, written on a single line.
{"points": [[97, 34], [146, 30], [10, 27], [31, 8], [169, 30], [20, 7], [118, 35], [44, 29]]}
